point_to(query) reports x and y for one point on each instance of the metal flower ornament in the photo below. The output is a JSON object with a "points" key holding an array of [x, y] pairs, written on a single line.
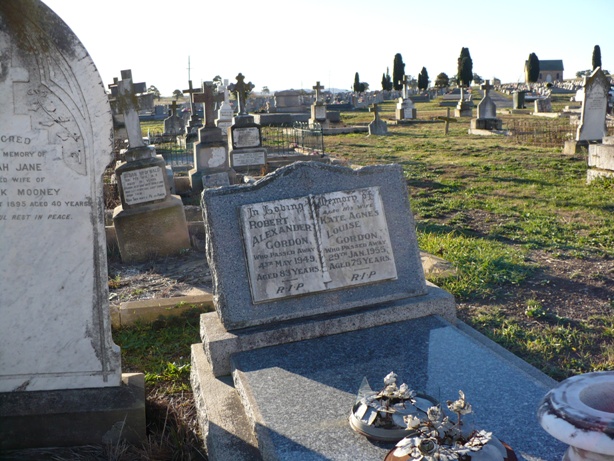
{"points": [[438, 438]]}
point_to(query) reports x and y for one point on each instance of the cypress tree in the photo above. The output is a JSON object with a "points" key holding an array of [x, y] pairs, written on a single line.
{"points": [[533, 68], [465, 68], [596, 57], [398, 71], [356, 83], [423, 79]]}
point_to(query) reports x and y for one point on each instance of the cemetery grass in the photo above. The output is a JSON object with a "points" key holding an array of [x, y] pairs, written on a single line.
{"points": [[533, 245]]}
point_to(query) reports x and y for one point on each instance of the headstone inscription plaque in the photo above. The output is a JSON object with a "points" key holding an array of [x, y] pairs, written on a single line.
{"points": [[316, 243]]}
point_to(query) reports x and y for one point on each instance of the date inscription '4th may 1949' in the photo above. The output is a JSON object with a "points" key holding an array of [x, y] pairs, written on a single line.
{"points": [[316, 243]]}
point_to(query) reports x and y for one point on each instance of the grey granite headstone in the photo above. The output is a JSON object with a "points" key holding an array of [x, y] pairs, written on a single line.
{"points": [[377, 127], [311, 239], [594, 106], [55, 334]]}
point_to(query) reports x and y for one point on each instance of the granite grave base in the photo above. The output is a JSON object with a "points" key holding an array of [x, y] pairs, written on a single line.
{"points": [[74, 417], [297, 397], [486, 124]]}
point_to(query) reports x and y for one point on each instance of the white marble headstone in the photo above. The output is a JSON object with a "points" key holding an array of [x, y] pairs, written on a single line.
{"points": [[594, 106], [55, 142]]}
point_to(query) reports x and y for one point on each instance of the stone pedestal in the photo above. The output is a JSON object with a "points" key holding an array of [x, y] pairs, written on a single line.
{"points": [[245, 146], [405, 109], [463, 109], [72, 417], [601, 160], [210, 157], [150, 222], [151, 231], [318, 115], [575, 147], [486, 124]]}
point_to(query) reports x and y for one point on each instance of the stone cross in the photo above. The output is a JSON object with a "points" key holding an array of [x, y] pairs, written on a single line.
{"points": [[127, 104], [486, 87], [447, 119], [225, 88], [206, 97], [405, 86], [241, 88], [174, 108], [191, 92], [375, 109], [317, 89]]}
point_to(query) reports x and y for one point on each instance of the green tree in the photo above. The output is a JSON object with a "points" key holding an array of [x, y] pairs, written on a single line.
{"points": [[356, 86], [442, 80], [386, 80], [596, 57], [155, 91], [423, 79], [532, 68], [398, 71], [464, 74], [477, 79], [265, 90], [177, 94]]}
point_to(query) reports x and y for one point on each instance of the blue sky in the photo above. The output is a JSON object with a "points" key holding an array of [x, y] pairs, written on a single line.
{"points": [[293, 44]]}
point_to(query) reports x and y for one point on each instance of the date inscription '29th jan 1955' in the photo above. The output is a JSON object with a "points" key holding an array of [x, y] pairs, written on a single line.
{"points": [[316, 243]]}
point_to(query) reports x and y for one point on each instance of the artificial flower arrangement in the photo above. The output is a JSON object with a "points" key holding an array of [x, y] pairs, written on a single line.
{"points": [[419, 425], [438, 438], [380, 415]]}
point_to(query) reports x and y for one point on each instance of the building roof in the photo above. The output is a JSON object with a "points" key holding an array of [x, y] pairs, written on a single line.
{"points": [[551, 65]]}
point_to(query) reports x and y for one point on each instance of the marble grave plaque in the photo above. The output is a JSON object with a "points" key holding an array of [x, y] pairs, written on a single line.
{"points": [[143, 185], [256, 157], [316, 243], [246, 137]]}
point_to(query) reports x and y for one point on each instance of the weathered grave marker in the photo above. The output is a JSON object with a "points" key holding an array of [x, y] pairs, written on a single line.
{"points": [[60, 373], [377, 127], [447, 119], [487, 113], [594, 107], [210, 153], [405, 109], [173, 124], [244, 137], [150, 222], [224, 114], [318, 109]]}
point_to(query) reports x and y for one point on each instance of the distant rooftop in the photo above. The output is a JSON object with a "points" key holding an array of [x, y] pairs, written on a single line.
{"points": [[551, 65]]}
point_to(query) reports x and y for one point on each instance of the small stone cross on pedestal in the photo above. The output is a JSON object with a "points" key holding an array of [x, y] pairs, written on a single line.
{"points": [[206, 97], [375, 109], [241, 89], [487, 87], [127, 104], [191, 91], [317, 89], [173, 109], [405, 87]]}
